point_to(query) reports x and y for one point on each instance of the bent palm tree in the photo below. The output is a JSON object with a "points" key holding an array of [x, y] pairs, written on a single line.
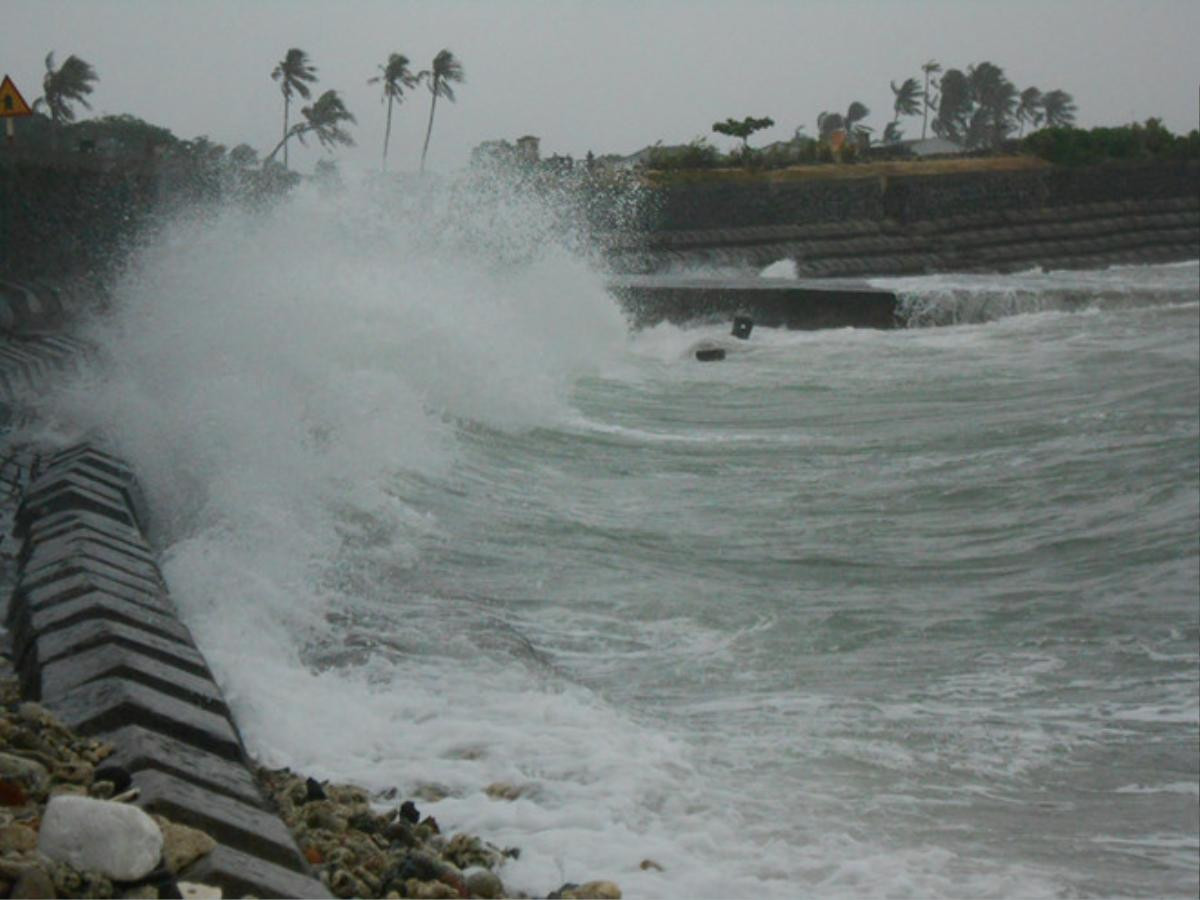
{"points": [[907, 102], [954, 107], [446, 69], [1058, 109], [292, 72], [69, 83], [324, 119], [855, 113], [396, 76], [931, 67], [1029, 108]]}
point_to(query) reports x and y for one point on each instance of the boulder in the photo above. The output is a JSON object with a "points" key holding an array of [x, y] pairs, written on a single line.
{"points": [[115, 839]]}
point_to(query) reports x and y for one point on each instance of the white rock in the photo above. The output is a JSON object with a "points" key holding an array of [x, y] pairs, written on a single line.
{"points": [[192, 890], [114, 839]]}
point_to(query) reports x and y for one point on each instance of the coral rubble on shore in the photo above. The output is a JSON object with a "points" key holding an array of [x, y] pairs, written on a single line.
{"points": [[360, 852], [67, 826]]}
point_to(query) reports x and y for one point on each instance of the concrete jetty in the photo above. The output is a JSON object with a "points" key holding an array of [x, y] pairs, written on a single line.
{"points": [[806, 305]]}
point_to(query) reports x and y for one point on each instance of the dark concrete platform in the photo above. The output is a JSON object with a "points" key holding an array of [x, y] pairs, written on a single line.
{"points": [[771, 303]]}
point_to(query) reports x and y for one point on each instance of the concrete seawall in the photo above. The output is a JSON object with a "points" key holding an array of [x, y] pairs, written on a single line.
{"points": [[94, 637], [918, 224]]}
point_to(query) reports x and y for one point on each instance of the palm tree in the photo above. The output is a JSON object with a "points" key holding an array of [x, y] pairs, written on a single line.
{"points": [[954, 107], [396, 76], [995, 99], [931, 67], [292, 72], [907, 103], [446, 69], [1058, 109], [892, 133], [1029, 108], [69, 83], [324, 119]]}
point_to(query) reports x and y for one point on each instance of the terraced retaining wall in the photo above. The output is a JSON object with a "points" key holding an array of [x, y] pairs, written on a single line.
{"points": [[94, 637], [912, 224]]}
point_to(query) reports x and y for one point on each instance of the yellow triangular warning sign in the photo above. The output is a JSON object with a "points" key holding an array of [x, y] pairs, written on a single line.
{"points": [[11, 101]]}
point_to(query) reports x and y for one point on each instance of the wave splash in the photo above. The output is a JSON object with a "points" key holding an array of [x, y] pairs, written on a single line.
{"points": [[960, 299]]}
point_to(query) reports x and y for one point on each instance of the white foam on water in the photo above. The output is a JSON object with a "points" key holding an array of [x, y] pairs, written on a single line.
{"points": [[781, 268]]}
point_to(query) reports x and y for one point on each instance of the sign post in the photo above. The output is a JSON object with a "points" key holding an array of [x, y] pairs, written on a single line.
{"points": [[12, 106]]}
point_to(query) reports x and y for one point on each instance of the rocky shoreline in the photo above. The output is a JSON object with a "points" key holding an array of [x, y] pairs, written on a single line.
{"points": [[70, 827]]}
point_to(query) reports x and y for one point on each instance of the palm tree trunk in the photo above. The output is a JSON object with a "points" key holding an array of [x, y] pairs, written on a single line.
{"points": [[387, 133], [925, 107], [282, 145], [285, 133], [428, 131]]}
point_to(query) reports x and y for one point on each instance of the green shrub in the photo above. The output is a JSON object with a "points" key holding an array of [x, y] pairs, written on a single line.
{"points": [[1081, 147]]}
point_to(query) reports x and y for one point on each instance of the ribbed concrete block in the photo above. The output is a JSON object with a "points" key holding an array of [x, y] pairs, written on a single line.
{"points": [[70, 520], [139, 748], [78, 584], [230, 821], [52, 573], [73, 497], [103, 706], [29, 624], [84, 635], [98, 546], [49, 562], [239, 875], [60, 676], [105, 468], [86, 477]]}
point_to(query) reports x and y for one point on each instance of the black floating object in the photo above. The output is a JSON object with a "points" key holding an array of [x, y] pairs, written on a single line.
{"points": [[742, 326], [313, 791], [408, 812], [710, 354]]}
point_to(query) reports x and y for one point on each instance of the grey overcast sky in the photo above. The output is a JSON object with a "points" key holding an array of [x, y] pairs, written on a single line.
{"points": [[608, 75]]}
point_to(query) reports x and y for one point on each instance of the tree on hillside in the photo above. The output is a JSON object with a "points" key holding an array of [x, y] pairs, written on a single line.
{"points": [[395, 76], [743, 129], [292, 73], [446, 70], [325, 119], [1058, 109], [70, 83], [907, 102], [931, 67], [1029, 108]]}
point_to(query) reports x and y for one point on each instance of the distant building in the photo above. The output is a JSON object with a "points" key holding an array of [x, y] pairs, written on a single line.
{"points": [[919, 148], [934, 146]]}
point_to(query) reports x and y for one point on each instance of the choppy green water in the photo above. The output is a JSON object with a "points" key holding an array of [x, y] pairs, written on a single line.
{"points": [[924, 605]]}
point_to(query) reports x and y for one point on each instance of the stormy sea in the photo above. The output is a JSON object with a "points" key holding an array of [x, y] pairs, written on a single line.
{"points": [[851, 613]]}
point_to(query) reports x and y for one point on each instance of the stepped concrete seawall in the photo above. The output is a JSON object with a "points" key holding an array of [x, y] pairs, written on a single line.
{"points": [[90, 628], [984, 221]]}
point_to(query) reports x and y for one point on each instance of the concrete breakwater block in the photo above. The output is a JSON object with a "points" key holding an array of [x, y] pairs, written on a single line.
{"points": [[28, 306], [96, 640]]}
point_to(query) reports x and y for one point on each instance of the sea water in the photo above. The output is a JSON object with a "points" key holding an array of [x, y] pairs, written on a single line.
{"points": [[851, 613]]}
